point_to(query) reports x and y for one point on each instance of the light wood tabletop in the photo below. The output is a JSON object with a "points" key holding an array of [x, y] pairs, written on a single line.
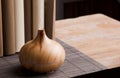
{"points": [[97, 36]]}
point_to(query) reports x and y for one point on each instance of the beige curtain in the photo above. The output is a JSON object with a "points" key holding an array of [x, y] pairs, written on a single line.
{"points": [[50, 16], [1, 36], [8, 20], [16, 23], [28, 20]]}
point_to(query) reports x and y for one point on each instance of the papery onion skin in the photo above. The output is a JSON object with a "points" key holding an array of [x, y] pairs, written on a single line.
{"points": [[42, 54]]}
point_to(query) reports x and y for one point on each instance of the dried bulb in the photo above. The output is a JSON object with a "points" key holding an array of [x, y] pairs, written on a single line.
{"points": [[42, 54]]}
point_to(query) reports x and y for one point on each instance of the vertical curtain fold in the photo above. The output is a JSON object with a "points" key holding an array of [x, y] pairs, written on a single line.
{"points": [[28, 20], [38, 16], [19, 24], [8, 26], [1, 36], [50, 15], [16, 23]]}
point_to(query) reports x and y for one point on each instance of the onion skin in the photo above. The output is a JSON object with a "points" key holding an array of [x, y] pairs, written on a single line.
{"points": [[42, 54]]}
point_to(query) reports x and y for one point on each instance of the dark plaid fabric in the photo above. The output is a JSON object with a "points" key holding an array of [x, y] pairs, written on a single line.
{"points": [[76, 64]]}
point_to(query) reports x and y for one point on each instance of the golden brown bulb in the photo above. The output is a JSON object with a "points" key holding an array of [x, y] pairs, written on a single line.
{"points": [[42, 54]]}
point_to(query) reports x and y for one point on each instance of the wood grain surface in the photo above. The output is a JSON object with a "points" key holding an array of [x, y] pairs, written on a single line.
{"points": [[97, 36]]}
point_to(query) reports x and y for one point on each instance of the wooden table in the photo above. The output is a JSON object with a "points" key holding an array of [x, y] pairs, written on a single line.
{"points": [[91, 44], [97, 36]]}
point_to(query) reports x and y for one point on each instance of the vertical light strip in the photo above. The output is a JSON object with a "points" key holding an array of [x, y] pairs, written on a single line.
{"points": [[19, 24], [38, 16]]}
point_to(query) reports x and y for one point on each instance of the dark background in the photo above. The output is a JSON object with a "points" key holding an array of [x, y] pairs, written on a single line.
{"points": [[85, 7]]}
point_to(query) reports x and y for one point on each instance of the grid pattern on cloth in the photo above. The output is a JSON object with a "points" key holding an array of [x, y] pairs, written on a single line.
{"points": [[76, 64]]}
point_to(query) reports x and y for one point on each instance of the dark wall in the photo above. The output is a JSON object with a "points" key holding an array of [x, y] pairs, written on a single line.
{"points": [[85, 7]]}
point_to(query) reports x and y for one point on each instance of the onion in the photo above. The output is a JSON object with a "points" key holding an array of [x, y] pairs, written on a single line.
{"points": [[42, 54]]}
